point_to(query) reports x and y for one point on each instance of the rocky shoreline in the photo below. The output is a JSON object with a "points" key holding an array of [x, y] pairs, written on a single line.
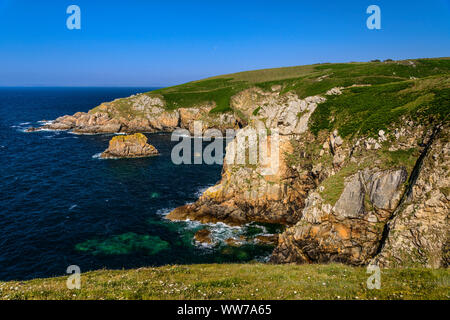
{"points": [[357, 199], [146, 115]]}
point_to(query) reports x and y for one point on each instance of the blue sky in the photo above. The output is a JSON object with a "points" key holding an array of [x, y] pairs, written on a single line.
{"points": [[160, 43]]}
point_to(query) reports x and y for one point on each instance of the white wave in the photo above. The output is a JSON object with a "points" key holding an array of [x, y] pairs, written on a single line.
{"points": [[45, 122], [97, 156], [164, 211], [73, 207], [220, 232], [59, 138], [201, 190], [24, 123]]}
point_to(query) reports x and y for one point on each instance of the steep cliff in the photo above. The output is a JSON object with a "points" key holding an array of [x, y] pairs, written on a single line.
{"points": [[141, 113]]}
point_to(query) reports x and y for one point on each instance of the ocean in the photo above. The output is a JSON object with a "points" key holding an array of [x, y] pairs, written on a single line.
{"points": [[61, 205]]}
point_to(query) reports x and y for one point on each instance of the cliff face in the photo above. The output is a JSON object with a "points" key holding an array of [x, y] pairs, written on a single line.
{"points": [[362, 173], [418, 233], [391, 214], [246, 192], [130, 146], [356, 200]]}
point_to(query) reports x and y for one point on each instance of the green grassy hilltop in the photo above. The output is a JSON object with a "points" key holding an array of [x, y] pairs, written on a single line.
{"points": [[382, 92], [238, 281]]}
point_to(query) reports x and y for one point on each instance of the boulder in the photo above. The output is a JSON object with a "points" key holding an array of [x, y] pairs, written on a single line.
{"points": [[203, 236]]}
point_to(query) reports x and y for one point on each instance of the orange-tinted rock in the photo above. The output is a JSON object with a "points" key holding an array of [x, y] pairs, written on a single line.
{"points": [[130, 146], [203, 236]]}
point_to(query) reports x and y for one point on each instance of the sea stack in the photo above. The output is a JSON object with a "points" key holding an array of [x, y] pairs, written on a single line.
{"points": [[129, 146]]}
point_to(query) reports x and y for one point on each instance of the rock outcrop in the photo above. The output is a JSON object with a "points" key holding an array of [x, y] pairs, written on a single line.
{"points": [[418, 234], [355, 198], [247, 192], [141, 113], [349, 231], [129, 146]]}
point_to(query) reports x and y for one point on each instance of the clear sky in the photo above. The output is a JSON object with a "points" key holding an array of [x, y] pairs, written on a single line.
{"points": [[160, 43]]}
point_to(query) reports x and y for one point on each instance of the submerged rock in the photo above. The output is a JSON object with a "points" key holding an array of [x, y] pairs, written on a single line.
{"points": [[271, 239], [203, 236], [131, 146], [232, 242], [33, 129]]}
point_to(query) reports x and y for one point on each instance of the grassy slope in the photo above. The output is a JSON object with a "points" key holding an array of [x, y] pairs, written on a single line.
{"points": [[238, 281], [419, 86]]}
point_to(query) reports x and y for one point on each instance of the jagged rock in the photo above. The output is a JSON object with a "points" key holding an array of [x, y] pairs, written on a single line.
{"points": [[203, 236], [145, 114], [245, 193], [32, 129], [130, 146], [418, 234], [349, 231], [334, 91]]}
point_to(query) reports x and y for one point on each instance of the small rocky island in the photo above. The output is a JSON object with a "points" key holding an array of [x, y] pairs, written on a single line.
{"points": [[129, 146]]}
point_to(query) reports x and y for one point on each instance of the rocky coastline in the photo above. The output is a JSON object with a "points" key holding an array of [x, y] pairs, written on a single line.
{"points": [[357, 198]]}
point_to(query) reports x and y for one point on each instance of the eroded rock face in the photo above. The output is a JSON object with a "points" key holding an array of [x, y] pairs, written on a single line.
{"points": [[249, 192], [129, 146], [390, 217]]}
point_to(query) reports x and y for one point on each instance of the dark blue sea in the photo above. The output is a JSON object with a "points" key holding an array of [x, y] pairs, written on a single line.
{"points": [[61, 205]]}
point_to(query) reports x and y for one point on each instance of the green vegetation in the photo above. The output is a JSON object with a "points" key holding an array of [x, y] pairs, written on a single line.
{"points": [[366, 110], [238, 281], [385, 78], [382, 158], [192, 94], [398, 158], [334, 185]]}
